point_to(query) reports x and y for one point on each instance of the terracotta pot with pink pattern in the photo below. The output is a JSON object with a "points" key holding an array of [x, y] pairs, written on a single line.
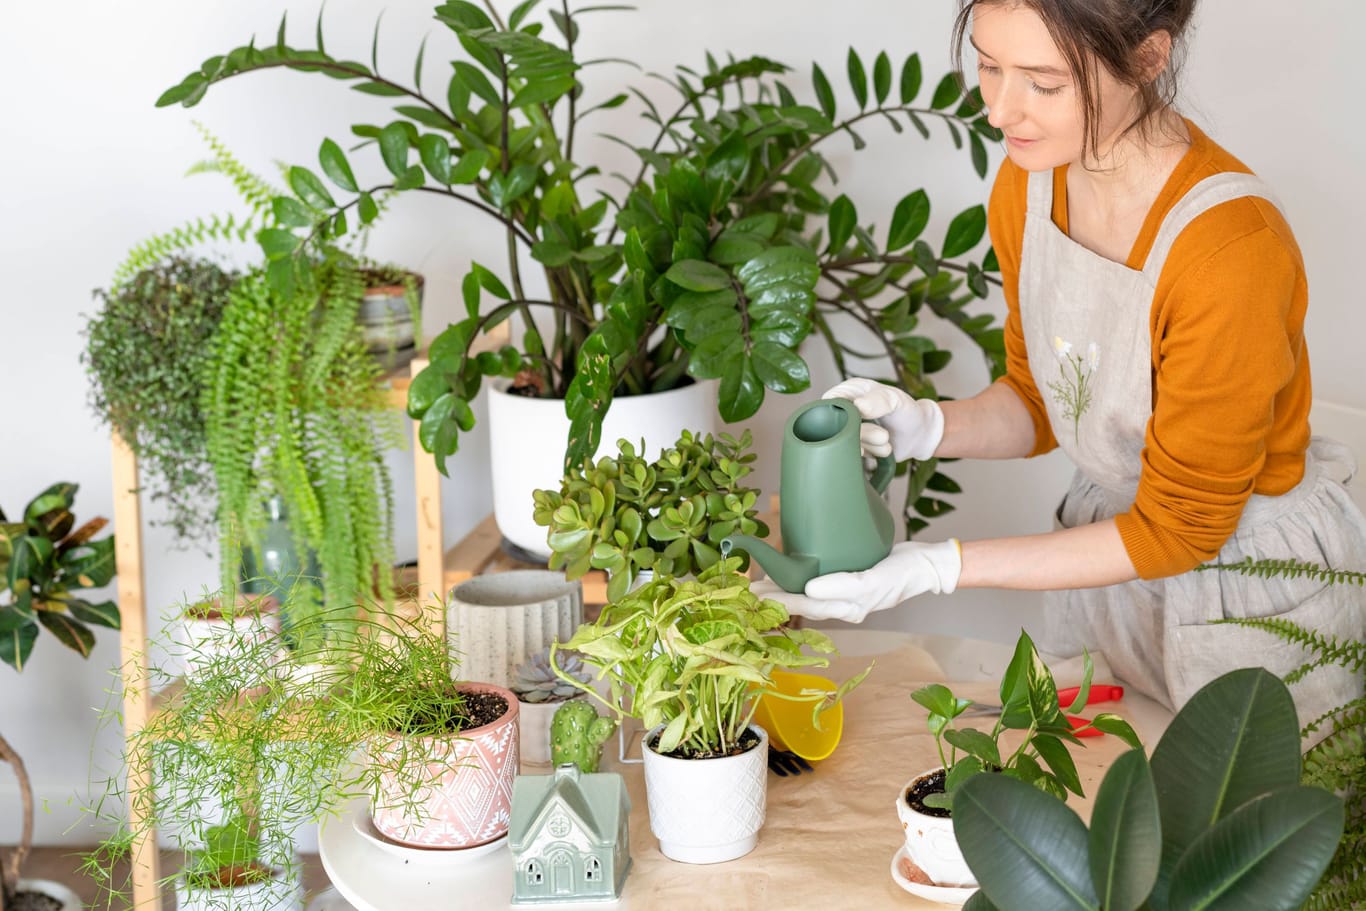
{"points": [[449, 792]]}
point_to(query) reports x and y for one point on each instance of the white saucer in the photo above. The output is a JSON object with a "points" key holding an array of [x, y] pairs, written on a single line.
{"points": [[365, 827], [945, 895]]}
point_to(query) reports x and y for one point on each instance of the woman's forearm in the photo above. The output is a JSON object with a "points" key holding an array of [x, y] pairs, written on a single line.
{"points": [[994, 424], [1087, 556]]}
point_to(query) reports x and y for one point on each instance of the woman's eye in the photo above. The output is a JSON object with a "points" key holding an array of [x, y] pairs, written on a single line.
{"points": [[987, 68], [1041, 90]]}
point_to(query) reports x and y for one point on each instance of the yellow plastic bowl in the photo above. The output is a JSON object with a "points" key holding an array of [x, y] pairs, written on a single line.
{"points": [[789, 723]]}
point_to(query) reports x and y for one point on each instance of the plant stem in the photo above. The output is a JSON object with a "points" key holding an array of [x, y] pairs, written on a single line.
{"points": [[10, 866]]}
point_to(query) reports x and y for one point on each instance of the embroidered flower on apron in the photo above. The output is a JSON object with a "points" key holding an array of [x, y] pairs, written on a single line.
{"points": [[1073, 392]]}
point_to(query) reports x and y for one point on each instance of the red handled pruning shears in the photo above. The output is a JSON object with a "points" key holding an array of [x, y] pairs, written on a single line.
{"points": [[1100, 692]]}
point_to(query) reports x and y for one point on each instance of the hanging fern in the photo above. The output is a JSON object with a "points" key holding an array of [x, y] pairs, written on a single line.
{"points": [[1290, 569], [1338, 761]]}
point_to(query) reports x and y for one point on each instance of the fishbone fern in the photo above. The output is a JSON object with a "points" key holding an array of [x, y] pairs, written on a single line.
{"points": [[1338, 761]]}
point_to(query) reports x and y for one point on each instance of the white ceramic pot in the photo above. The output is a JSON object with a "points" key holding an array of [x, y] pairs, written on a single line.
{"points": [[527, 438], [705, 811], [451, 792], [54, 890], [497, 621], [282, 892], [535, 723], [243, 642], [931, 843]]}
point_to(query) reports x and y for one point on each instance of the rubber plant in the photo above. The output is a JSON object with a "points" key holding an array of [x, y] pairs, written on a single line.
{"points": [[716, 259], [45, 562], [1217, 820]]}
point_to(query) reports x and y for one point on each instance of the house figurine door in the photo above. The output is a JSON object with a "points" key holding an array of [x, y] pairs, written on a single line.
{"points": [[561, 873]]}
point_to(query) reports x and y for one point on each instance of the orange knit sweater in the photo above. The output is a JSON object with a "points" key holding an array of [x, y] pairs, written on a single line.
{"points": [[1230, 372]]}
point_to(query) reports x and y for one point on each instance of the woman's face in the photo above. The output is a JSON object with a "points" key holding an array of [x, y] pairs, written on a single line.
{"points": [[1030, 93]]}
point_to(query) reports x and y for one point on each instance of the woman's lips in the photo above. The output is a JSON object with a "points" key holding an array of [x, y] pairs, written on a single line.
{"points": [[1020, 143]]}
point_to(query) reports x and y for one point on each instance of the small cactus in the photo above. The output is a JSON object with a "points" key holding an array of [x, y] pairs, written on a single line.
{"points": [[535, 680]]}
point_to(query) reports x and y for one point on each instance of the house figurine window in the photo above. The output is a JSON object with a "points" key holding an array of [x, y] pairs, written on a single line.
{"points": [[559, 825], [533, 873], [592, 870]]}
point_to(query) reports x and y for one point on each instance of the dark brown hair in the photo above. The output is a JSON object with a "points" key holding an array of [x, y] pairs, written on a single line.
{"points": [[1107, 33]]}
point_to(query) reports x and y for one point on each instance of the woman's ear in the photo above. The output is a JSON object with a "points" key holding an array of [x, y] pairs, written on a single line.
{"points": [[1154, 54]]}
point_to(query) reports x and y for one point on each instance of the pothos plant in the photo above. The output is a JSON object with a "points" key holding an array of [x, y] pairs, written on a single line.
{"points": [[715, 260], [1029, 702], [626, 513], [695, 655]]}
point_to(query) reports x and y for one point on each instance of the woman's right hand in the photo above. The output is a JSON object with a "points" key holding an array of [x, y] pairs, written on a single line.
{"points": [[906, 428]]}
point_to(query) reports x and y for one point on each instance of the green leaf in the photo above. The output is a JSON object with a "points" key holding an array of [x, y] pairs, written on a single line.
{"points": [[842, 219], [75, 636], [975, 743], [825, 96], [428, 386], [436, 157], [698, 275], [468, 167], [779, 368], [940, 700], [741, 392], [1126, 834], [910, 79], [1026, 848], [979, 154], [1054, 752], [858, 79], [367, 208], [473, 79], [882, 77], [106, 613], [1237, 738], [909, 218], [393, 147], [731, 249], [336, 167], [309, 188], [17, 644], [965, 231], [946, 93], [291, 213]]}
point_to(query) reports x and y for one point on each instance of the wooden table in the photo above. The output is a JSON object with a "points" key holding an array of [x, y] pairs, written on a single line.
{"points": [[829, 836]]}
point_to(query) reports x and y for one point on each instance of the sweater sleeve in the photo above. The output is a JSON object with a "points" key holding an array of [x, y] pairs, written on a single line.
{"points": [[1226, 341], [1006, 221]]}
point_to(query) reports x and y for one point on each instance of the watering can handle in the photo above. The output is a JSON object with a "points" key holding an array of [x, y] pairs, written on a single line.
{"points": [[883, 471]]}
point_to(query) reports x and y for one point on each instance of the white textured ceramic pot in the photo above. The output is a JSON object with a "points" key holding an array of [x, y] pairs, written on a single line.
{"points": [[497, 621], [930, 841], [282, 892], [449, 792], [527, 437], [705, 811], [67, 900]]}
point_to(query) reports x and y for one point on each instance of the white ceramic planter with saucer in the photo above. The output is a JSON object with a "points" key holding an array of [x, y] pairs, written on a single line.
{"points": [[930, 842]]}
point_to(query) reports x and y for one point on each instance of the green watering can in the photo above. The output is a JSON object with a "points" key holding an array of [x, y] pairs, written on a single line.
{"points": [[833, 515]]}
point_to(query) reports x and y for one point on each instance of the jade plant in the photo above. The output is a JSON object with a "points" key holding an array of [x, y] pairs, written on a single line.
{"points": [[695, 656], [1218, 819], [626, 513], [1030, 705], [721, 253]]}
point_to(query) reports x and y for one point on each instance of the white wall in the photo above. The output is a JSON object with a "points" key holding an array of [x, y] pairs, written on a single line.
{"points": [[88, 167]]}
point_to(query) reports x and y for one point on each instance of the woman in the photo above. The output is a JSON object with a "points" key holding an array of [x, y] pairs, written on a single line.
{"points": [[1156, 301]]}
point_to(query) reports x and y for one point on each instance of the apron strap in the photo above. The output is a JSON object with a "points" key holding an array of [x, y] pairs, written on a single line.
{"points": [[1040, 194], [1202, 197]]}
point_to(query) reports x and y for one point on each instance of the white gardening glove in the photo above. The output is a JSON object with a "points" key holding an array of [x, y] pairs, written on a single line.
{"points": [[906, 428], [910, 569]]}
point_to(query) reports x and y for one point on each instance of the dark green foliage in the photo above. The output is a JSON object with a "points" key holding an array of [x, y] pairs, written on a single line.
{"points": [[626, 513], [148, 354], [715, 260], [45, 561], [1290, 569]]}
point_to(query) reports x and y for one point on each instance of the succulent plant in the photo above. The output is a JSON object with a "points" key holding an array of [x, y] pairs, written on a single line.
{"points": [[535, 680]]}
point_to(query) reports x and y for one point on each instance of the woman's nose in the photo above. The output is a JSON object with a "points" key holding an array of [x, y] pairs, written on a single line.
{"points": [[1002, 110]]}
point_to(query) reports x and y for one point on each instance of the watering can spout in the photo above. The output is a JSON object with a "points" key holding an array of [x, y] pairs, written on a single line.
{"points": [[790, 571]]}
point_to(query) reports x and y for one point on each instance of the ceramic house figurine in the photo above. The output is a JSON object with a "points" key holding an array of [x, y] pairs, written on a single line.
{"points": [[569, 837]]}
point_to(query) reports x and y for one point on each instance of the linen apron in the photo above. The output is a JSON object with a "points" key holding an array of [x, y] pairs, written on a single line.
{"points": [[1086, 328]]}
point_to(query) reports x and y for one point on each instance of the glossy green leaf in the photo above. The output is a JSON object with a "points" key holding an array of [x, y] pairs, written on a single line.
{"points": [[435, 152], [468, 167], [1126, 834], [336, 167], [946, 92], [842, 219], [780, 368], [291, 213], [106, 613], [1237, 738], [309, 188], [1054, 753], [16, 644], [367, 208], [473, 79], [975, 743], [428, 386], [858, 78], [1026, 848], [910, 79], [741, 391], [1268, 853], [882, 77], [393, 148], [825, 96], [698, 275], [979, 154], [909, 218], [74, 635], [965, 231]]}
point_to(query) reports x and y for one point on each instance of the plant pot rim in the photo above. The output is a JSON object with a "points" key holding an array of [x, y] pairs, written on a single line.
{"points": [[649, 735], [245, 605], [501, 385], [53, 889], [508, 716], [903, 803], [389, 289]]}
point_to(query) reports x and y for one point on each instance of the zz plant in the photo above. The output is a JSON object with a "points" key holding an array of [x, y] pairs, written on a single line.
{"points": [[694, 656], [1029, 701], [1217, 820], [626, 514], [716, 259]]}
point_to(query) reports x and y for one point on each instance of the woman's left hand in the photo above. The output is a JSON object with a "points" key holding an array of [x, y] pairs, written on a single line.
{"points": [[910, 569]]}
